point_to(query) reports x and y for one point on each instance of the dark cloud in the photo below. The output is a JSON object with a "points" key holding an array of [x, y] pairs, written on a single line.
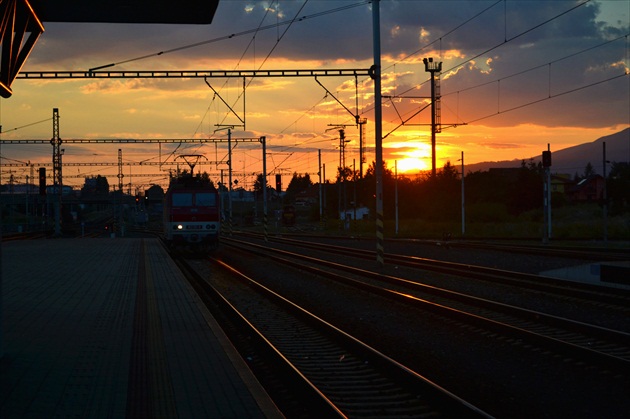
{"points": [[522, 52], [327, 30]]}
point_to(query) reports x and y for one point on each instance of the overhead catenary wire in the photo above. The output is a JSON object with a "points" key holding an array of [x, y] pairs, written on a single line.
{"points": [[551, 96], [278, 39], [537, 67], [234, 35], [251, 42], [4, 131], [273, 48], [461, 25], [503, 111], [254, 31], [309, 141], [289, 23], [508, 40]]}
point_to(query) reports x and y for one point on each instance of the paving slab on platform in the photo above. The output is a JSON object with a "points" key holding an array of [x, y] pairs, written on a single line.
{"points": [[109, 328]]}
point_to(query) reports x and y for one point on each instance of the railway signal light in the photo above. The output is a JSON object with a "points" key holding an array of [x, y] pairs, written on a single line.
{"points": [[546, 158]]}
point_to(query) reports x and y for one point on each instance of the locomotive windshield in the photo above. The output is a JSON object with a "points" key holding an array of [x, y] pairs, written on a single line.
{"points": [[182, 199], [203, 199]]}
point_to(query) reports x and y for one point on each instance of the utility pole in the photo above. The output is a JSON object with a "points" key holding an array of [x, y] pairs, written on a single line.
{"points": [[433, 67], [263, 141], [546, 161], [229, 135], [321, 202], [1, 269], [222, 194], [324, 196], [605, 196], [354, 189], [375, 74], [463, 199], [342, 175], [362, 122], [396, 193], [120, 194]]}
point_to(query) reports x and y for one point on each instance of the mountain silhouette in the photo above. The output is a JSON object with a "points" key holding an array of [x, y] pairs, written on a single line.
{"points": [[574, 159]]}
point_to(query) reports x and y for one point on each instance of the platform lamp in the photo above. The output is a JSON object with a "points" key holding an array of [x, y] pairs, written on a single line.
{"points": [[432, 67]]}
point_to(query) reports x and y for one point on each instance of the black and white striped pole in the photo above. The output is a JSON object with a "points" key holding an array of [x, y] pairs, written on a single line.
{"points": [[375, 74]]}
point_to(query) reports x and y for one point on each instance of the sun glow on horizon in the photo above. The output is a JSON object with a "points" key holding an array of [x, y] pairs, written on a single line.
{"points": [[409, 156], [411, 164]]}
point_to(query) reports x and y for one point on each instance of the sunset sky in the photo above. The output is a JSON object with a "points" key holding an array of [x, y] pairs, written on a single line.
{"points": [[517, 75]]}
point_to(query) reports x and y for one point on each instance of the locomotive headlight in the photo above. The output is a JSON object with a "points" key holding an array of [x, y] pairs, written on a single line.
{"points": [[210, 226], [180, 227]]}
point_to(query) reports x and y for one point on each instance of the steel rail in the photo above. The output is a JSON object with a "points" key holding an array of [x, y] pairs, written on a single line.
{"points": [[616, 296], [236, 326], [612, 350], [595, 253], [362, 364]]}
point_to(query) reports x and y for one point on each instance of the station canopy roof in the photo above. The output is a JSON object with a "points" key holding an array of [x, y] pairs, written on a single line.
{"points": [[22, 22], [199, 12]]}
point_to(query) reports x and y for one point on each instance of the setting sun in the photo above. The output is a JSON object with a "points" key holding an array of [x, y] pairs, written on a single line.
{"points": [[411, 156], [411, 164]]}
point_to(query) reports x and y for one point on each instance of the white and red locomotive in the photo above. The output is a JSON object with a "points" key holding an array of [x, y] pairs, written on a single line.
{"points": [[192, 215]]}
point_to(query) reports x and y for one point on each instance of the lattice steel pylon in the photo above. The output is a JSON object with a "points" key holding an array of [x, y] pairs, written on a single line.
{"points": [[56, 143], [19, 30], [57, 176], [120, 171]]}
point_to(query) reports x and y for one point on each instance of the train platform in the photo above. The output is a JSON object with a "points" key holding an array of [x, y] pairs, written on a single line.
{"points": [[603, 274], [96, 328]]}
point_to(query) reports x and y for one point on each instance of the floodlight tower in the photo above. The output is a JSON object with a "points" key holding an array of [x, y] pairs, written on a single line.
{"points": [[433, 67]]}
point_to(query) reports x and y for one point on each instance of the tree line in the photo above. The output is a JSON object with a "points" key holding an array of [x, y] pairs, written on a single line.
{"points": [[494, 195]]}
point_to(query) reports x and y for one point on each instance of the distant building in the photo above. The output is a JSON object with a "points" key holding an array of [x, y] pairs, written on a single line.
{"points": [[65, 190], [590, 189], [20, 189], [362, 213], [561, 183], [24, 189]]}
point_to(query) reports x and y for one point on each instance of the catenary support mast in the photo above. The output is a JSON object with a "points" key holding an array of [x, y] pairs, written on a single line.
{"points": [[375, 73], [57, 175]]}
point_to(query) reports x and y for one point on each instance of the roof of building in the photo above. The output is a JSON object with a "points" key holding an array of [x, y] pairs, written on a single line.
{"points": [[125, 11]]}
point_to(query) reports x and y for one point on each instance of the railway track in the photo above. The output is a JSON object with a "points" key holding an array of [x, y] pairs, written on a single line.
{"points": [[612, 251], [614, 296], [574, 252], [333, 373], [456, 340], [597, 345]]}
